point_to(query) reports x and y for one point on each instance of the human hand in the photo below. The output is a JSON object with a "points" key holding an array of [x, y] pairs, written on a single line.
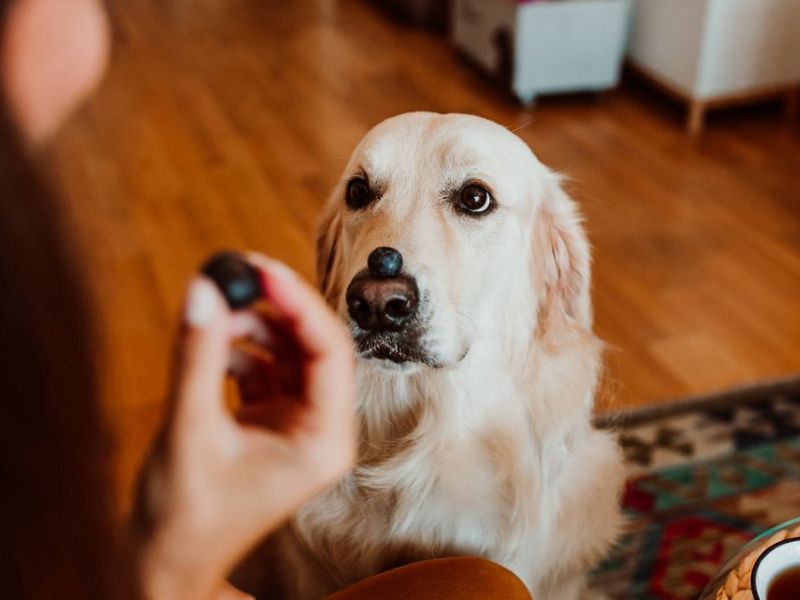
{"points": [[217, 482]]}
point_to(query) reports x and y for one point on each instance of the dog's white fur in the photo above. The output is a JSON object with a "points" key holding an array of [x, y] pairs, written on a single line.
{"points": [[492, 453]]}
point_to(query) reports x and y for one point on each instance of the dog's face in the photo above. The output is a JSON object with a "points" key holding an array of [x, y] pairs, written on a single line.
{"points": [[446, 230]]}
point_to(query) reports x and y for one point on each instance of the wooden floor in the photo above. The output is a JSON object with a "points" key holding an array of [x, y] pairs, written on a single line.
{"points": [[223, 124]]}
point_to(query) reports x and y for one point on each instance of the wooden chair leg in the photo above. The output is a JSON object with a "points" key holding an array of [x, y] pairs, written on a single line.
{"points": [[696, 117], [792, 104]]}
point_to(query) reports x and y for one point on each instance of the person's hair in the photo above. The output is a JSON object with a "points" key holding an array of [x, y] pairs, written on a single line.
{"points": [[57, 526]]}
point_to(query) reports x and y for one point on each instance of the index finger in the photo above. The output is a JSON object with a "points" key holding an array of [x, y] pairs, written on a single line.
{"points": [[327, 364], [318, 330]]}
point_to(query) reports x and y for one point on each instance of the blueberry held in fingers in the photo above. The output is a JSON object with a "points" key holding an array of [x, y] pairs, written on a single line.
{"points": [[238, 280]]}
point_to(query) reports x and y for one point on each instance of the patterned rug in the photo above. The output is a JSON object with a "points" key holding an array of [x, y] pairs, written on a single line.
{"points": [[705, 477]]}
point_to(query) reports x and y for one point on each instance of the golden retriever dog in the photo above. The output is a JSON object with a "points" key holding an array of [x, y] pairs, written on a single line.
{"points": [[463, 271]]}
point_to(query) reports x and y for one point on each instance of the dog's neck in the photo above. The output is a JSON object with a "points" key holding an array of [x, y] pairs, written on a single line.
{"points": [[522, 390]]}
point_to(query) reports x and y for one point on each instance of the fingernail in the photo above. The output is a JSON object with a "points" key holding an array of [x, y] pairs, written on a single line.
{"points": [[202, 303]]}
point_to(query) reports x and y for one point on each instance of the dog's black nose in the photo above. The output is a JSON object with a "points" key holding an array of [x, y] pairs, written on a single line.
{"points": [[385, 262], [384, 304]]}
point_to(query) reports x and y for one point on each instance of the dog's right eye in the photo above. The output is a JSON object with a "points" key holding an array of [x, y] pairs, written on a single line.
{"points": [[359, 193], [475, 199]]}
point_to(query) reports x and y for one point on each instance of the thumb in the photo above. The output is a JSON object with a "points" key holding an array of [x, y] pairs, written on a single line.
{"points": [[203, 352]]}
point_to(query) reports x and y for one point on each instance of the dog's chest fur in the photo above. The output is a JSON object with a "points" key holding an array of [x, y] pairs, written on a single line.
{"points": [[429, 482], [473, 460]]}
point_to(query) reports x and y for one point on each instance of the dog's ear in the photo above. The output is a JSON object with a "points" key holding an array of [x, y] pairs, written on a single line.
{"points": [[562, 263], [328, 251]]}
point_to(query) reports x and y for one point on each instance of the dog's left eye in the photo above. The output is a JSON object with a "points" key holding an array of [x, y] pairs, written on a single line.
{"points": [[475, 199], [359, 193]]}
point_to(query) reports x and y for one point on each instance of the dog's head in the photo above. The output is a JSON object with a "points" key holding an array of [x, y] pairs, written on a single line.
{"points": [[444, 232]]}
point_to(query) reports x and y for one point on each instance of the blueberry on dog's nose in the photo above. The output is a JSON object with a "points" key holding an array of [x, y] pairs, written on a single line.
{"points": [[385, 262]]}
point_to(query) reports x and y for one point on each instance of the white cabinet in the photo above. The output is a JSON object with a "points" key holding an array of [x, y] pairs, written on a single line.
{"points": [[718, 52], [544, 46]]}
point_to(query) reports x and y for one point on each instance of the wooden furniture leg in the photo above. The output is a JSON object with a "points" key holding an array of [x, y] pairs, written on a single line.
{"points": [[792, 103], [696, 117]]}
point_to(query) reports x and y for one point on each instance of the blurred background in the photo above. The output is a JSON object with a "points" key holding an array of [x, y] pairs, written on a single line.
{"points": [[225, 123]]}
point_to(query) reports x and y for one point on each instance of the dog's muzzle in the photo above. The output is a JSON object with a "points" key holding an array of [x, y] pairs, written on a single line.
{"points": [[382, 302]]}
